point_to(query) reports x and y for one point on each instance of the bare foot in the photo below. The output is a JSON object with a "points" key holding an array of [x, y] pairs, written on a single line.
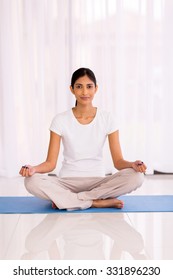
{"points": [[107, 203], [54, 206]]}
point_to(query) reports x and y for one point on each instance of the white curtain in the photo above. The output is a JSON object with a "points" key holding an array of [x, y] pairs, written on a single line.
{"points": [[128, 44]]}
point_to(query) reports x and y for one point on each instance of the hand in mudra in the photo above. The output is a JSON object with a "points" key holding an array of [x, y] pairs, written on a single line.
{"points": [[139, 166], [27, 170]]}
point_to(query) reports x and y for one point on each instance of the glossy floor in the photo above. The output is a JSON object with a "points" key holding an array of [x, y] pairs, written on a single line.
{"points": [[87, 236]]}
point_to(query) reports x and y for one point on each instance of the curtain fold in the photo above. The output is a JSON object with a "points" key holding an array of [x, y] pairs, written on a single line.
{"points": [[128, 44]]}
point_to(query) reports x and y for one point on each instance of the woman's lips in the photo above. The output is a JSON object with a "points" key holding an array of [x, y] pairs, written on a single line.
{"points": [[84, 98]]}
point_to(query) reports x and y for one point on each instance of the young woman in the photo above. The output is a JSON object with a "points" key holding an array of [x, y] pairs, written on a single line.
{"points": [[83, 130]]}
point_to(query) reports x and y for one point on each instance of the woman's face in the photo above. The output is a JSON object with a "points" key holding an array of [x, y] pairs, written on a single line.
{"points": [[84, 90]]}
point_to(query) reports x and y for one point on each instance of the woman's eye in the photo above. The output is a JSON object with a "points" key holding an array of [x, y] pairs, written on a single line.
{"points": [[80, 86]]}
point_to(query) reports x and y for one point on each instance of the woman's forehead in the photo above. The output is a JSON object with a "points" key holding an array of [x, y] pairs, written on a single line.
{"points": [[84, 80]]}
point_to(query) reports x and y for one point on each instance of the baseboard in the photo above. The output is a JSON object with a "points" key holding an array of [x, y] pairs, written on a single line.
{"points": [[156, 172]]}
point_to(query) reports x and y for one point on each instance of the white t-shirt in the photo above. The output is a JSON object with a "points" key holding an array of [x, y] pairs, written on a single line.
{"points": [[83, 143]]}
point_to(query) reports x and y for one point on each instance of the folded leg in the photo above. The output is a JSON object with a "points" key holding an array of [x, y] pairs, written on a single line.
{"points": [[120, 183], [53, 189]]}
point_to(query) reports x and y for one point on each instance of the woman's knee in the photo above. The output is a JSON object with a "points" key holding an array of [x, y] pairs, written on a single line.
{"points": [[139, 179], [136, 179], [31, 182], [37, 185]]}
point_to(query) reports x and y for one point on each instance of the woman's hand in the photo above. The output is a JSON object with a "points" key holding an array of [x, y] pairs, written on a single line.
{"points": [[139, 166], [27, 170]]}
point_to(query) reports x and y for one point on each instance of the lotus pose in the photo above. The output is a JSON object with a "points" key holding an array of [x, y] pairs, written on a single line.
{"points": [[82, 130]]}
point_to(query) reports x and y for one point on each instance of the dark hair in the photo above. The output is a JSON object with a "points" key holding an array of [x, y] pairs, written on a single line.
{"points": [[80, 73]]}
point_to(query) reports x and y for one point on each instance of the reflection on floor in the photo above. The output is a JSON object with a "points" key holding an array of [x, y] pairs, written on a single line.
{"points": [[87, 236]]}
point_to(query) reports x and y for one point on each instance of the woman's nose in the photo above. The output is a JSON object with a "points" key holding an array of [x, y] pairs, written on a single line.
{"points": [[84, 92]]}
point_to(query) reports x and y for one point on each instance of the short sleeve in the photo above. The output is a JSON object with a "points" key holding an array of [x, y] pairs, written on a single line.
{"points": [[56, 125], [112, 123]]}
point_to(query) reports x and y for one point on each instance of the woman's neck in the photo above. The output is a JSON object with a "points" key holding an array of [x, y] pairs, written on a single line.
{"points": [[84, 111], [84, 115]]}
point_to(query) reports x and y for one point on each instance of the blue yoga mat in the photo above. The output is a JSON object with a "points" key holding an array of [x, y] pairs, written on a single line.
{"points": [[136, 203]]}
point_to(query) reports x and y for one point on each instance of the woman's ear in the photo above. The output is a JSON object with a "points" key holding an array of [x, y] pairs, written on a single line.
{"points": [[96, 88], [71, 89]]}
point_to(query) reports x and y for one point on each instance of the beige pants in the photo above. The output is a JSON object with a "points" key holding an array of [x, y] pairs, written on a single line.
{"points": [[79, 192]]}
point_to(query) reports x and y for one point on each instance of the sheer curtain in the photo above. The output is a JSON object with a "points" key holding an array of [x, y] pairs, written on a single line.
{"points": [[128, 44]]}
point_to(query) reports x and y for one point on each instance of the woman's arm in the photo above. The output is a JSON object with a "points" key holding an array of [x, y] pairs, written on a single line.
{"points": [[51, 160], [117, 157]]}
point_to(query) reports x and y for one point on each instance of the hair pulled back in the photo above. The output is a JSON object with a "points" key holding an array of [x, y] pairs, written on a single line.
{"points": [[80, 73], [83, 72]]}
